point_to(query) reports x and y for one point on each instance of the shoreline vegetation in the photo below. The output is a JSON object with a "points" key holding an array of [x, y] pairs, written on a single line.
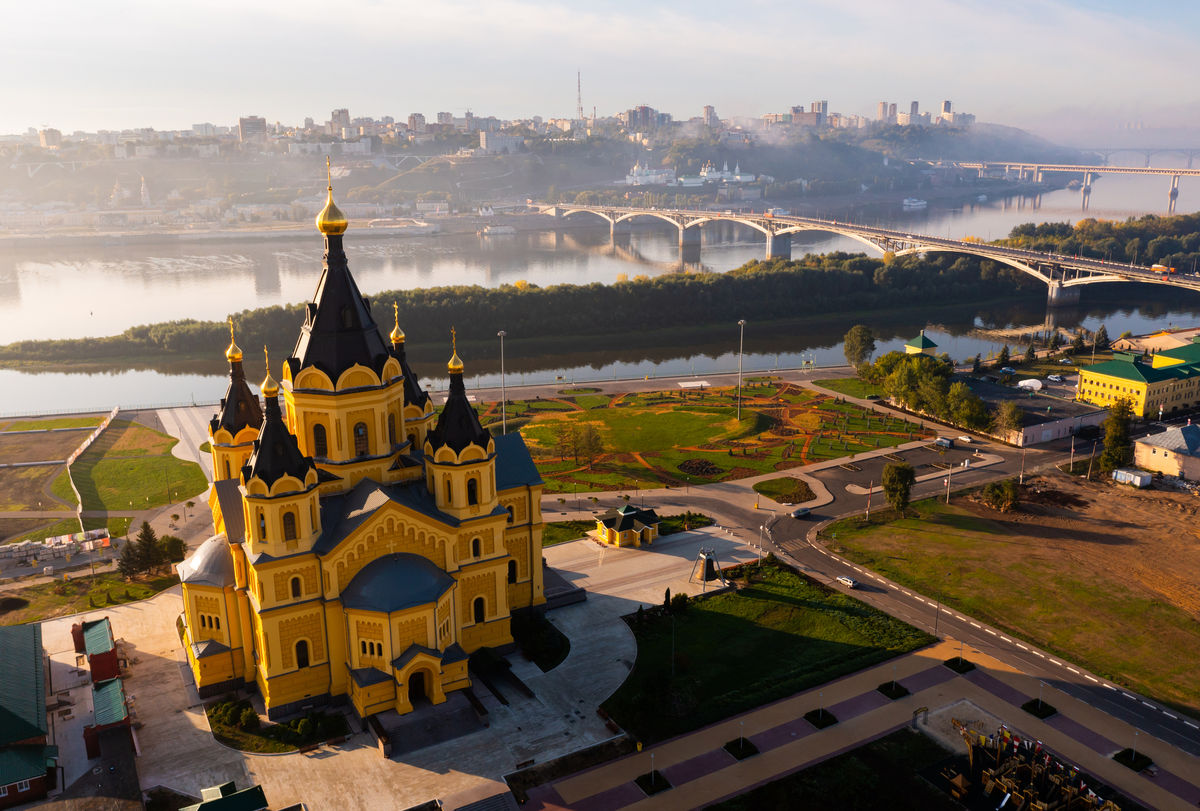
{"points": [[682, 304], [671, 308]]}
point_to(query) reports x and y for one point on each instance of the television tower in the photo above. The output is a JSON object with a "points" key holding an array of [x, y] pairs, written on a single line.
{"points": [[578, 96]]}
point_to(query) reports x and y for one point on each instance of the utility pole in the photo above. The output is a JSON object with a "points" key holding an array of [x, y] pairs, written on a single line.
{"points": [[741, 337], [1090, 458], [949, 473], [870, 487], [1071, 468], [578, 96], [1021, 479]]}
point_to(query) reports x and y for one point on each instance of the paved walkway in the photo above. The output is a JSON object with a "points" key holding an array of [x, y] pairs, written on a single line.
{"points": [[701, 772]]}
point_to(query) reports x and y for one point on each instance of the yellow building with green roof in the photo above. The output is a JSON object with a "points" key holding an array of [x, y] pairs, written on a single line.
{"points": [[1164, 383]]}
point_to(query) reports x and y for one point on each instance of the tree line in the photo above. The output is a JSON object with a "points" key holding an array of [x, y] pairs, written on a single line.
{"points": [[1146, 240], [779, 289]]}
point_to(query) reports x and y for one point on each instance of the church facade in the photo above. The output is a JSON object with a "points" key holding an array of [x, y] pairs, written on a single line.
{"points": [[366, 544]]}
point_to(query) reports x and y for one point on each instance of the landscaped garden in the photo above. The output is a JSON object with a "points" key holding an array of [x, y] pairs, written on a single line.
{"points": [[560, 531], [1059, 573], [237, 725], [644, 440], [82, 593], [775, 635]]}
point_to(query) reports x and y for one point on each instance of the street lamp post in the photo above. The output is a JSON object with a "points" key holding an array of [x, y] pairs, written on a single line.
{"points": [[503, 398], [741, 340]]}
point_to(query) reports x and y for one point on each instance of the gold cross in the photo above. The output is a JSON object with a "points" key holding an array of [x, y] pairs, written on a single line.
{"points": [[231, 329], [267, 357], [453, 342], [329, 172]]}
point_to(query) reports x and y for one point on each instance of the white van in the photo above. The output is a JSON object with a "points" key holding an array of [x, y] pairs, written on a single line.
{"points": [[848, 582]]}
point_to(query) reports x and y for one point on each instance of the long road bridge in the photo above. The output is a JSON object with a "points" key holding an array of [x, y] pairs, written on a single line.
{"points": [[1063, 275]]}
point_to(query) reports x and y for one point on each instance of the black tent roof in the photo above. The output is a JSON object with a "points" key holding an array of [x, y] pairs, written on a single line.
{"points": [[276, 453], [458, 425], [239, 406], [338, 330]]}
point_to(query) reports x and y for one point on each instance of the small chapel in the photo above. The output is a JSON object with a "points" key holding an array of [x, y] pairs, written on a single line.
{"points": [[365, 543]]}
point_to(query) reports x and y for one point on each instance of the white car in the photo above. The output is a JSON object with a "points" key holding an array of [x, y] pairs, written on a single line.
{"points": [[848, 582], [1055, 378]]}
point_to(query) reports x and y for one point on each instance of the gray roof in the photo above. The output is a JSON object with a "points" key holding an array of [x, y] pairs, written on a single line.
{"points": [[208, 647], [514, 465], [210, 565], [394, 582], [411, 652], [229, 498], [629, 517], [366, 676], [1184, 439]]}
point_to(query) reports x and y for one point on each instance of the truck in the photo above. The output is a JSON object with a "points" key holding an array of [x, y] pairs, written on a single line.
{"points": [[1162, 270], [776, 212]]}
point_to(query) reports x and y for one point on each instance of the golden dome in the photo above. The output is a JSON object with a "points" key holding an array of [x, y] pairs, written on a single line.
{"points": [[331, 221], [455, 366], [269, 387], [397, 334], [234, 352]]}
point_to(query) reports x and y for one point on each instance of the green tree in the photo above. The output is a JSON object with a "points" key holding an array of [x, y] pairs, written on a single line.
{"points": [[149, 553], [964, 407], [591, 444], [1030, 356], [1055, 340], [1118, 451], [1077, 342], [976, 364], [173, 548], [1004, 357], [1100, 339], [1008, 417], [898, 478], [128, 563], [859, 345], [1003, 495]]}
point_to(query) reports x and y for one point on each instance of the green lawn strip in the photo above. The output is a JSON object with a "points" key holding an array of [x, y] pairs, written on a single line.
{"points": [[117, 527], [60, 598], [562, 531], [590, 401], [66, 526], [56, 422], [796, 632], [206, 447], [851, 387], [111, 484], [786, 490], [880, 774], [1096, 622]]}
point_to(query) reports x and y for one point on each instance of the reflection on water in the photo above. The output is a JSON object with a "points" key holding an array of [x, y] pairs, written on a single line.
{"points": [[68, 290]]}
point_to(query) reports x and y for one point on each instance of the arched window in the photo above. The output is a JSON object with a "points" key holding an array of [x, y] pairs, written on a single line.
{"points": [[392, 428], [289, 526], [412, 441], [320, 443], [476, 547], [228, 475], [347, 317], [360, 439], [478, 608], [472, 491], [203, 621], [364, 646], [262, 525], [512, 571], [510, 513], [302, 653], [295, 587], [449, 492]]}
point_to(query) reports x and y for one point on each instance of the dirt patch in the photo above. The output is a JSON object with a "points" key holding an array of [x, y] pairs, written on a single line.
{"points": [[23, 488], [42, 446], [1151, 536]]}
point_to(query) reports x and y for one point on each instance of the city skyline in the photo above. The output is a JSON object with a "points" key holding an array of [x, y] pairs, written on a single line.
{"points": [[168, 67]]}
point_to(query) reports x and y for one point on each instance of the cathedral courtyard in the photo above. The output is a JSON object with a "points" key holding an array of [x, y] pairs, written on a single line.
{"points": [[177, 750]]}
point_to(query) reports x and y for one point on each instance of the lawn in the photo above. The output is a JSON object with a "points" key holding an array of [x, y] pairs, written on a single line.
{"points": [[56, 422], [36, 529], [851, 387], [678, 438], [1077, 589], [63, 597], [562, 531], [736, 650], [880, 774], [130, 467], [225, 718], [785, 490], [24, 488]]}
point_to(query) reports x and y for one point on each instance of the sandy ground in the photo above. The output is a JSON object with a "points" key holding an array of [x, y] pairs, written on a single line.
{"points": [[1152, 536]]}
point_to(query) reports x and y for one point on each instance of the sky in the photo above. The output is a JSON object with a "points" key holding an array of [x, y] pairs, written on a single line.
{"points": [[1094, 67]]}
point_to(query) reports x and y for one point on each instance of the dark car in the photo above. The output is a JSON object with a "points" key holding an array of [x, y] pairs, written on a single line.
{"points": [[800, 512]]}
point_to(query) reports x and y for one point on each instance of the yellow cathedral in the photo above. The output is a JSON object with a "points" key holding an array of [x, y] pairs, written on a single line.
{"points": [[365, 544]]}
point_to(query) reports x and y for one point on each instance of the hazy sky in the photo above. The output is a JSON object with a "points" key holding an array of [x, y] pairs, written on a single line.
{"points": [[82, 64]]}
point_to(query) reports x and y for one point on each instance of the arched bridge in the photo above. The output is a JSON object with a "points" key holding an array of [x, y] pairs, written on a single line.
{"points": [[1063, 275]]}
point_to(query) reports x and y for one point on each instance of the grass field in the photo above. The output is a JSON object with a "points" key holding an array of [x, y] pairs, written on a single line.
{"points": [[880, 774], [737, 650], [130, 467], [54, 422], [60, 598], [1071, 585], [24, 488], [785, 490], [661, 439], [851, 387]]}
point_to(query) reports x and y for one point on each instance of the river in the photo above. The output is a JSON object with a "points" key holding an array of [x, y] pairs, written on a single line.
{"points": [[70, 290]]}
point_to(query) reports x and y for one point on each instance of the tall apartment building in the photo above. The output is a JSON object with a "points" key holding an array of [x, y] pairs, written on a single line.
{"points": [[445, 120], [339, 119], [252, 127], [416, 122], [710, 117], [881, 111], [914, 110]]}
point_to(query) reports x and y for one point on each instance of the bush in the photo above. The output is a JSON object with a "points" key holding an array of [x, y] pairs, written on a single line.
{"points": [[1003, 495], [679, 603], [248, 720], [304, 728]]}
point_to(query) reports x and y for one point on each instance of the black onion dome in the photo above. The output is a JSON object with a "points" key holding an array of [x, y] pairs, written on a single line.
{"points": [[276, 453], [239, 407], [458, 425], [338, 330]]}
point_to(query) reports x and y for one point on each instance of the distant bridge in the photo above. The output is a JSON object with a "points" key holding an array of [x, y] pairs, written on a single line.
{"points": [[1063, 275]]}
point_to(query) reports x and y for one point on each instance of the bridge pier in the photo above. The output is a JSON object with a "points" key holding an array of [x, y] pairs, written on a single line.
{"points": [[779, 246], [1059, 296]]}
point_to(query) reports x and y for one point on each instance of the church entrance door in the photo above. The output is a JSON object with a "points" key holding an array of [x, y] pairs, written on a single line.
{"points": [[417, 688]]}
